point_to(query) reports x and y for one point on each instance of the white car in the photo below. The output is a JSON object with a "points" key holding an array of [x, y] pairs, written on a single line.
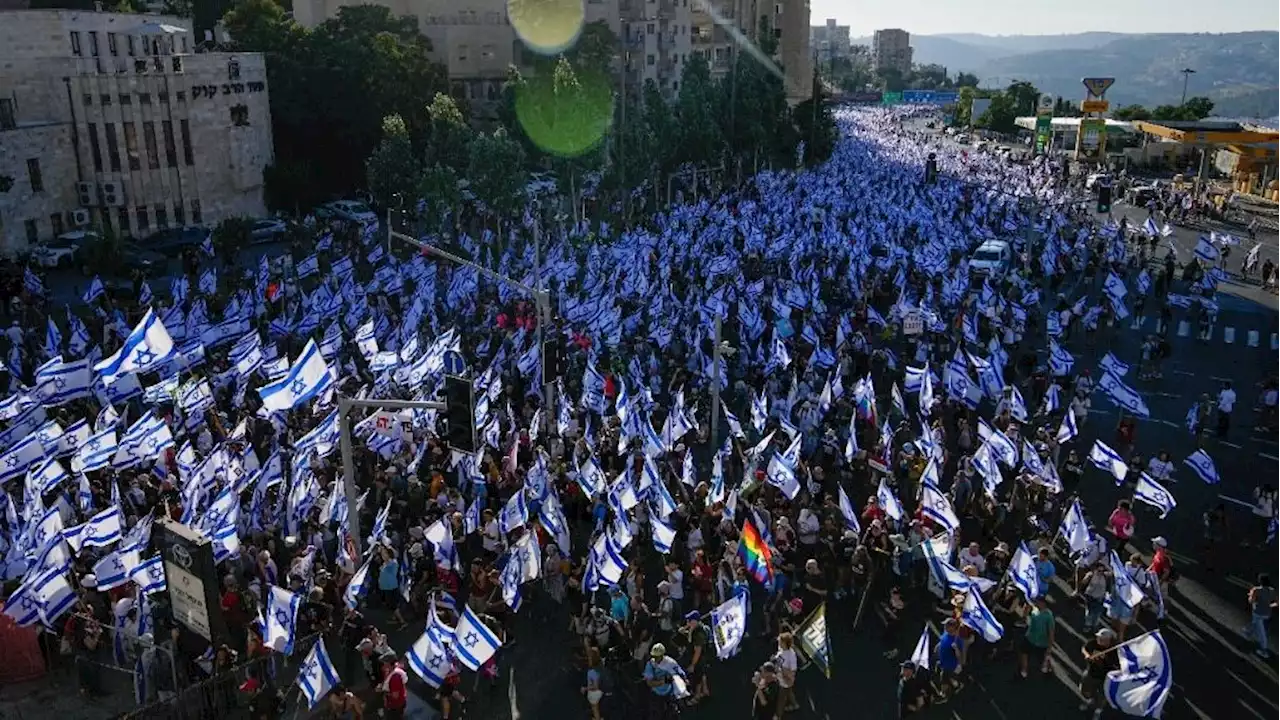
{"points": [[349, 210], [993, 258], [62, 250], [268, 230]]}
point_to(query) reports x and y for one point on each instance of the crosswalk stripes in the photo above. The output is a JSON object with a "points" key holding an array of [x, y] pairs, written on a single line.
{"points": [[1229, 334]]}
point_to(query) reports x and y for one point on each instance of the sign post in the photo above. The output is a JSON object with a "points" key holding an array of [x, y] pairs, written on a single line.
{"points": [[1092, 134], [1044, 124], [192, 579]]}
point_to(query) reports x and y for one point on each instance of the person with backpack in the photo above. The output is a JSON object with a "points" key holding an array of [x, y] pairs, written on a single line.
{"points": [[692, 639]]}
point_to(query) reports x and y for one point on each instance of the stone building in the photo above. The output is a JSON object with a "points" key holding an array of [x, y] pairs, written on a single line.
{"points": [[112, 121], [722, 28]]}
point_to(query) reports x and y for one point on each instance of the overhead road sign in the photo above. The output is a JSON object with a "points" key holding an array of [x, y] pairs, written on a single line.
{"points": [[1097, 87]]}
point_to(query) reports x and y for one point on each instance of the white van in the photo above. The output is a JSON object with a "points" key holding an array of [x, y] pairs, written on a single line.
{"points": [[993, 258]]}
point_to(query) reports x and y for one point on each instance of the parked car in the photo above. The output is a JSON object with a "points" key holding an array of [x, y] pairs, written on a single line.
{"points": [[172, 241], [268, 230], [62, 250], [992, 258], [139, 257], [349, 210]]}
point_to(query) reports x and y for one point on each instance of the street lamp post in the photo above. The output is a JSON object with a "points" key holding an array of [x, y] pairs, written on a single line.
{"points": [[345, 406], [721, 348], [541, 298], [1186, 75]]}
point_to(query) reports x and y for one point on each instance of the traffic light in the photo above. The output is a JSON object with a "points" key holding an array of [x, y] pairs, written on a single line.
{"points": [[552, 359], [460, 413], [931, 169], [1104, 197]]}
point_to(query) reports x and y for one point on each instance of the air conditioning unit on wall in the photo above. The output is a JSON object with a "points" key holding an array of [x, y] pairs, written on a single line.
{"points": [[88, 193], [112, 194], [80, 217]]}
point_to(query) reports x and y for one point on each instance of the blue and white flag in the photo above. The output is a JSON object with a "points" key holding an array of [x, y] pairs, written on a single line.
{"points": [[356, 588], [21, 457], [850, 515], [316, 675], [104, 528], [47, 475], [52, 340], [308, 376], [1023, 574], [474, 642], [1104, 458], [1067, 429], [429, 658], [937, 507], [60, 383], [1074, 528], [112, 570], [95, 291], [888, 501], [1111, 364], [1142, 683], [980, 618], [1200, 463], [729, 625], [1154, 494], [149, 343], [281, 619], [55, 594], [1123, 395], [149, 576], [663, 535]]}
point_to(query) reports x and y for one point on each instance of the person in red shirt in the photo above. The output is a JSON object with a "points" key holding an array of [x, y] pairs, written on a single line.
{"points": [[394, 687], [1161, 564]]}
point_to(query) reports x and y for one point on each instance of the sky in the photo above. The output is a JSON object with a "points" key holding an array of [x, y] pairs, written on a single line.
{"points": [[1047, 17]]}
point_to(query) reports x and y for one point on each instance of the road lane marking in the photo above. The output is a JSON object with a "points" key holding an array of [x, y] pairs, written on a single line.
{"points": [[1269, 457], [1229, 444]]}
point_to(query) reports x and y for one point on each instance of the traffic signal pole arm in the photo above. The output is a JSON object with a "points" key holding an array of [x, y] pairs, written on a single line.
{"points": [[345, 406]]}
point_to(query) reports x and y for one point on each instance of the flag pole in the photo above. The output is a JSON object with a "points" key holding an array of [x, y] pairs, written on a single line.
{"points": [[1126, 642]]}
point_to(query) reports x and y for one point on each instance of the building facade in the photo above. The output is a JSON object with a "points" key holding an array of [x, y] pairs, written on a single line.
{"points": [[722, 26], [109, 121], [657, 38], [829, 40], [891, 50]]}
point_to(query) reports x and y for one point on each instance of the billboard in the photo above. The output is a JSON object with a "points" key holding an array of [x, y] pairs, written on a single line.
{"points": [[891, 98], [929, 97]]}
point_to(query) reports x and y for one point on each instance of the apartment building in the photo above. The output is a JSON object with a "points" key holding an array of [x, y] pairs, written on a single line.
{"points": [[722, 26], [110, 120], [829, 40], [891, 50], [657, 38]]}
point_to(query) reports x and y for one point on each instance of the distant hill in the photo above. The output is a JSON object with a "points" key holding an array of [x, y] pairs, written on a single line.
{"points": [[1238, 71]]}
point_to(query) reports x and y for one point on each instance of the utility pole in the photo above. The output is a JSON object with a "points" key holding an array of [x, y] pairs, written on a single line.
{"points": [[541, 299], [1186, 75], [345, 406], [715, 388]]}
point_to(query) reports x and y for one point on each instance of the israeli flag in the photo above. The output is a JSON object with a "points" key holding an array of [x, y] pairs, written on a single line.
{"points": [[1067, 429], [429, 658], [1141, 685], [55, 594], [281, 619], [1205, 251], [474, 642], [1111, 364], [316, 675], [1074, 528], [663, 535], [355, 588], [1200, 462], [1022, 572], [850, 515], [920, 656], [735, 427], [95, 291], [149, 343], [937, 507], [978, 617], [1123, 395], [1154, 494], [888, 501], [1126, 590], [149, 576], [729, 625], [307, 377], [112, 570], [759, 412], [1104, 458], [47, 476], [60, 383]]}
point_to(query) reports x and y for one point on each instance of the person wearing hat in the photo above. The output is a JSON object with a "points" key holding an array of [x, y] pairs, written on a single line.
{"points": [[692, 639], [1161, 568], [1100, 659], [666, 609], [913, 693], [660, 675]]}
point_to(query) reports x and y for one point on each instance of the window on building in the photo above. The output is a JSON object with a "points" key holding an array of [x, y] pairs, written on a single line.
{"points": [[129, 46], [126, 99], [162, 216], [8, 118], [650, 59], [187, 156], [184, 44], [106, 221], [149, 137], [105, 99], [649, 28], [240, 115], [144, 223], [111, 44], [95, 149], [75, 44], [179, 214], [33, 230], [55, 221], [170, 153], [88, 99], [113, 146], [163, 98], [196, 216], [181, 95], [486, 52], [131, 146], [34, 175], [462, 53], [144, 98], [93, 43], [122, 215]]}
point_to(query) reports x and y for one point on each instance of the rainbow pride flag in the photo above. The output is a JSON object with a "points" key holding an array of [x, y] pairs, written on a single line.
{"points": [[755, 554]]}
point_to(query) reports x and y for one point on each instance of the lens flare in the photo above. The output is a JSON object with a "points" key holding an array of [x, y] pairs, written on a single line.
{"points": [[548, 27], [565, 113]]}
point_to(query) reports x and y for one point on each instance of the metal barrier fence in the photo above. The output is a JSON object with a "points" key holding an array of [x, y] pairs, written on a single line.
{"points": [[220, 696]]}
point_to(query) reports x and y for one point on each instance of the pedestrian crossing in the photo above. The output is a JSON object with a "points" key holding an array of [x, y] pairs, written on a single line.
{"points": [[1219, 332]]}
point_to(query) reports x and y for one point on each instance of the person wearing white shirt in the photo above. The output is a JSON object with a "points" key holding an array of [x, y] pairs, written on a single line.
{"points": [[675, 576], [1226, 402], [972, 555], [787, 664], [1161, 467]]}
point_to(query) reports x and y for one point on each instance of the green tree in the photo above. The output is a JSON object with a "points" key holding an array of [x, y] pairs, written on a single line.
{"points": [[891, 79], [756, 117], [698, 138], [1023, 97], [495, 171], [438, 190], [232, 235], [393, 168], [179, 8], [1001, 114], [815, 124], [965, 79], [1131, 112], [1197, 108], [450, 133]]}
